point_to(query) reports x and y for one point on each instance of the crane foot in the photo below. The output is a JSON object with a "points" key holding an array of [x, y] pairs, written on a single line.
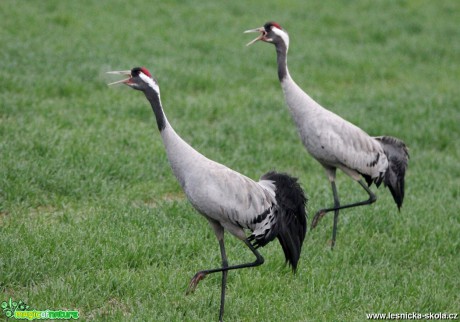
{"points": [[194, 282], [318, 216]]}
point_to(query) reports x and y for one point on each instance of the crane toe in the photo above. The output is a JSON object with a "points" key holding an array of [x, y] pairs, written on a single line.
{"points": [[318, 216], [194, 282]]}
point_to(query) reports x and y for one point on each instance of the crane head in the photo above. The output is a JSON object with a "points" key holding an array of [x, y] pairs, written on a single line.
{"points": [[271, 32], [139, 79]]}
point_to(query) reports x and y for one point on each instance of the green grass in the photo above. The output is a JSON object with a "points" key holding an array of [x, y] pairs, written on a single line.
{"points": [[92, 219]]}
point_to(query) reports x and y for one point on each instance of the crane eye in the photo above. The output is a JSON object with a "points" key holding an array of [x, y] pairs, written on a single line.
{"points": [[135, 71], [269, 26]]}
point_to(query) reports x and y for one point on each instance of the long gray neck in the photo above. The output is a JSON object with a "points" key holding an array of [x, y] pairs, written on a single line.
{"points": [[281, 55], [154, 100], [183, 159], [301, 105]]}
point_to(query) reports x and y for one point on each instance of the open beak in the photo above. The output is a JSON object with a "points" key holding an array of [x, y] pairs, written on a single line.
{"points": [[261, 36], [121, 72]]}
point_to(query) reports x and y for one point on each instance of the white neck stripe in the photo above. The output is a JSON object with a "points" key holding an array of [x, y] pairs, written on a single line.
{"points": [[150, 82], [282, 34]]}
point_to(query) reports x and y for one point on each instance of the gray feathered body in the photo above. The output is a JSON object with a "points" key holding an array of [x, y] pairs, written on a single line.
{"points": [[273, 207], [337, 143], [216, 191], [333, 141]]}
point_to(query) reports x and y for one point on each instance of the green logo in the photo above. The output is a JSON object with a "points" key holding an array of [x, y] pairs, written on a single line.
{"points": [[20, 310], [10, 307]]}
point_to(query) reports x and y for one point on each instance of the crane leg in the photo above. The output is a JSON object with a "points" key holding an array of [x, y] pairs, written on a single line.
{"points": [[202, 274], [224, 279], [320, 214], [336, 213]]}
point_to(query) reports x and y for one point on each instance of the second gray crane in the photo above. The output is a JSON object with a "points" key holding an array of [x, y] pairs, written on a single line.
{"points": [[335, 142]]}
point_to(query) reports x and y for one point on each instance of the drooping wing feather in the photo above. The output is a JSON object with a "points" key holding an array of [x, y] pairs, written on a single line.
{"points": [[398, 158]]}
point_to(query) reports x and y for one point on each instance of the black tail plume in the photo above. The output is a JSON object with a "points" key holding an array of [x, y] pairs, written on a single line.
{"points": [[398, 157], [292, 222]]}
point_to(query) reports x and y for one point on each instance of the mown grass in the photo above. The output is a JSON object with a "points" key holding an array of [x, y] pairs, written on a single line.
{"points": [[92, 219]]}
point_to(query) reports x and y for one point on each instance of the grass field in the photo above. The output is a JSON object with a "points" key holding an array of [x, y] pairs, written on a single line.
{"points": [[92, 219]]}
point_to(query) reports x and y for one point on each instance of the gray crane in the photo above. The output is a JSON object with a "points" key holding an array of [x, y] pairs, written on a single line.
{"points": [[335, 142], [273, 207]]}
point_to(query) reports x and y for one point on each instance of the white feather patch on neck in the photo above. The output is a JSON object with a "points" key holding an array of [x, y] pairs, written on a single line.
{"points": [[282, 34], [150, 82]]}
